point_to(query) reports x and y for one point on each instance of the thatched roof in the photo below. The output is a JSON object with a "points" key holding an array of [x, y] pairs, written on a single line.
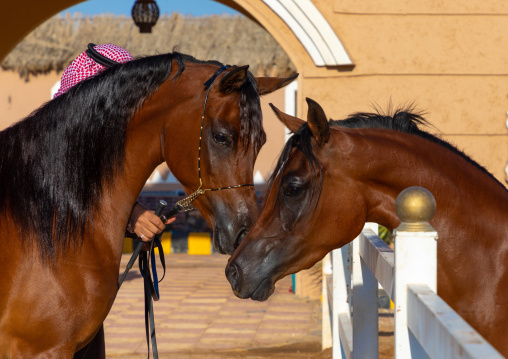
{"points": [[229, 39]]}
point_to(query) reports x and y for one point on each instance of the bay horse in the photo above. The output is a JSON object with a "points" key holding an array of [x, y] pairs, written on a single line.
{"points": [[71, 172], [332, 177]]}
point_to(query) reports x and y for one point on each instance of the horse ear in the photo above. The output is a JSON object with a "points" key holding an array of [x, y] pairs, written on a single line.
{"points": [[234, 79], [268, 85], [318, 123], [293, 123]]}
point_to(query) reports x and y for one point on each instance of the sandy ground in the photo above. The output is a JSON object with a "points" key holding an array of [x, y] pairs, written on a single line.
{"points": [[307, 347], [292, 351]]}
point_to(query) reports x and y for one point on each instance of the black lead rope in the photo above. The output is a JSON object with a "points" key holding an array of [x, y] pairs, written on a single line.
{"points": [[151, 290], [151, 286], [137, 250]]}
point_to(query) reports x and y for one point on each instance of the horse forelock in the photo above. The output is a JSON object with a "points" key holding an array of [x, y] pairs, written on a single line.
{"points": [[250, 115], [300, 140], [55, 163]]}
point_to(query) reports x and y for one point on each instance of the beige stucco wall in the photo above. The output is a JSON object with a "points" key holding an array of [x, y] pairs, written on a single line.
{"points": [[18, 98], [448, 58]]}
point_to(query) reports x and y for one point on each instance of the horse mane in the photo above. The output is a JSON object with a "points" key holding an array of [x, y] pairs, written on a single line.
{"points": [[403, 120], [55, 163], [407, 121]]}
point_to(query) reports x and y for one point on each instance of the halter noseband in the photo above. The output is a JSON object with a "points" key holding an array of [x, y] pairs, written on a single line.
{"points": [[185, 204]]}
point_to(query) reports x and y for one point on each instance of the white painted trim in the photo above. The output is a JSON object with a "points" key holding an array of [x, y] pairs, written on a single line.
{"points": [[326, 322], [56, 87], [312, 30], [258, 178]]}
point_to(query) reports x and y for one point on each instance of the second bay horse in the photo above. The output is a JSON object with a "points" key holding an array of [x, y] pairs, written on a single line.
{"points": [[71, 172], [333, 176]]}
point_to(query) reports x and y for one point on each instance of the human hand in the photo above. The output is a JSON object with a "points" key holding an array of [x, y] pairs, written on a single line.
{"points": [[146, 223]]}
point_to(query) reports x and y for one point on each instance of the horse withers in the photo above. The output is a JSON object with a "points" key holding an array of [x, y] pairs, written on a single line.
{"points": [[333, 176], [71, 172]]}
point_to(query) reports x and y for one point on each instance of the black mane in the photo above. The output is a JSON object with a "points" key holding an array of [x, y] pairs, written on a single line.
{"points": [[55, 163], [405, 121]]}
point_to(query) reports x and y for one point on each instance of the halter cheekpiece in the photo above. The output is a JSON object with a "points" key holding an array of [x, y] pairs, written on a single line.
{"points": [[185, 204]]}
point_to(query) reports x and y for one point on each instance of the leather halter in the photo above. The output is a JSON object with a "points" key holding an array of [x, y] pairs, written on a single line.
{"points": [[185, 204]]}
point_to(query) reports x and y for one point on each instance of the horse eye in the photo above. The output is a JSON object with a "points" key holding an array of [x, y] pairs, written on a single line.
{"points": [[293, 191], [220, 139]]}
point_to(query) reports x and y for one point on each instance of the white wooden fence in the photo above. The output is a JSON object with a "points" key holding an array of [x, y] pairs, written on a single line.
{"points": [[425, 326]]}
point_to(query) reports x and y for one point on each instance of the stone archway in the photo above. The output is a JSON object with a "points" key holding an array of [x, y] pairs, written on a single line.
{"points": [[305, 34]]}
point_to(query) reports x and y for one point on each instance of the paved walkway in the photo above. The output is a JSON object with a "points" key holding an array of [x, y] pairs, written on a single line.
{"points": [[198, 312]]}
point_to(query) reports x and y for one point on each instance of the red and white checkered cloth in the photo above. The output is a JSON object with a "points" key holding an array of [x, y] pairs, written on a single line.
{"points": [[83, 66]]}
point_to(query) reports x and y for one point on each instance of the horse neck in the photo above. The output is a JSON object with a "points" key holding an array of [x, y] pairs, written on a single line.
{"points": [[142, 156], [396, 161], [146, 132]]}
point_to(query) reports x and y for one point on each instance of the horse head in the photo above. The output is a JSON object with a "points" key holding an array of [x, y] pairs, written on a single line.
{"points": [[281, 241]]}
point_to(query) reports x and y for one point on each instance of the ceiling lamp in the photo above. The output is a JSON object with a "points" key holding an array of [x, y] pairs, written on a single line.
{"points": [[145, 14]]}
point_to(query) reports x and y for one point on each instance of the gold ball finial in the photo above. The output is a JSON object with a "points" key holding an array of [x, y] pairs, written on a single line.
{"points": [[415, 207]]}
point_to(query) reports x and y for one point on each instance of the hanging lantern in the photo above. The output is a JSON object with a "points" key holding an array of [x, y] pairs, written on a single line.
{"points": [[145, 14]]}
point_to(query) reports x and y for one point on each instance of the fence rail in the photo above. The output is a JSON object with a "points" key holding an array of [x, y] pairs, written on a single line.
{"points": [[425, 326]]}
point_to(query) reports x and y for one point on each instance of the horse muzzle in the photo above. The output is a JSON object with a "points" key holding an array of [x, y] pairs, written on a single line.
{"points": [[259, 290], [227, 238]]}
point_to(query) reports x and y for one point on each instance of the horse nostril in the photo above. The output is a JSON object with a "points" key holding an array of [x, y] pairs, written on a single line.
{"points": [[240, 238], [233, 276]]}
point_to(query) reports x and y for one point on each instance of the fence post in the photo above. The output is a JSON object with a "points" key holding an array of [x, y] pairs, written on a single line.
{"points": [[415, 261], [365, 308], [326, 323], [341, 306]]}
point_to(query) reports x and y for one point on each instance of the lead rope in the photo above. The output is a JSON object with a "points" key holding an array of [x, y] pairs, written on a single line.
{"points": [[151, 288]]}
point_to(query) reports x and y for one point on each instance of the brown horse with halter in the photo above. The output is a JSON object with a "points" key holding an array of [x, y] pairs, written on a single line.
{"points": [[332, 177], [71, 172]]}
